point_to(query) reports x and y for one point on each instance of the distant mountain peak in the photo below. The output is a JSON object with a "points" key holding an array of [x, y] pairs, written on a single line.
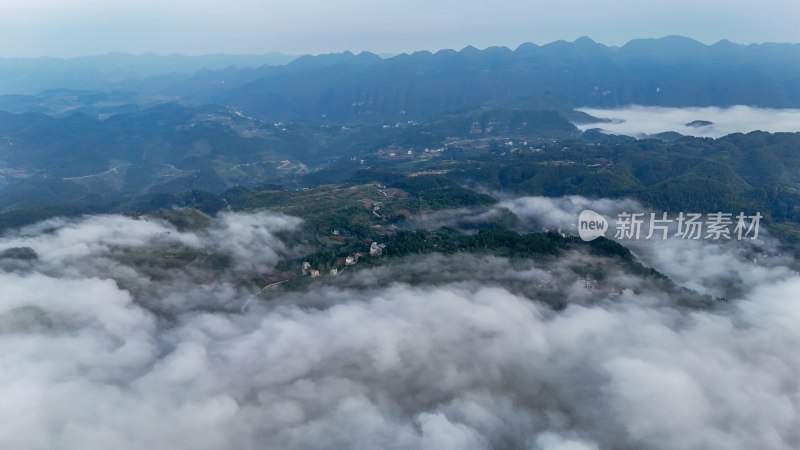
{"points": [[673, 39], [368, 55], [585, 40]]}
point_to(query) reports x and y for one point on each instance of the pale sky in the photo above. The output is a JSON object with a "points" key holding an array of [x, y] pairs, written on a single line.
{"points": [[68, 28]]}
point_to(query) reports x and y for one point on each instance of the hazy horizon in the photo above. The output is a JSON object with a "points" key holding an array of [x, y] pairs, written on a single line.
{"points": [[381, 54], [37, 28]]}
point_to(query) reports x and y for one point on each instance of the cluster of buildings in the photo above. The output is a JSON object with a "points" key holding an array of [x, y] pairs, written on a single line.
{"points": [[374, 250], [407, 152], [353, 259], [559, 230], [476, 127], [308, 270]]}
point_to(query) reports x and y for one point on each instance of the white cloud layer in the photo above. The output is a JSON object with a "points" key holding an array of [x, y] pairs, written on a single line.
{"points": [[453, 365], [711, 267], [639, 121]]}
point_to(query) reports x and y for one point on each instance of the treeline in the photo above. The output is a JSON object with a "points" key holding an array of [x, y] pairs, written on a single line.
{"points": [[741, 172], [499, 242]]}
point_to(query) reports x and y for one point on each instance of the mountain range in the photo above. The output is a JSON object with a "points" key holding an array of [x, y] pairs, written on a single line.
{"points": [[364, 87], [672, 71]]}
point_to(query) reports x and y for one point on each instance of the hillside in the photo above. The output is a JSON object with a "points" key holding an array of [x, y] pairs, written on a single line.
{"points": [[671, 71]]}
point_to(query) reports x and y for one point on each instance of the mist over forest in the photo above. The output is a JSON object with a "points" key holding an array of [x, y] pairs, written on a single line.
{"points": [[431, 351], [242, 248]]}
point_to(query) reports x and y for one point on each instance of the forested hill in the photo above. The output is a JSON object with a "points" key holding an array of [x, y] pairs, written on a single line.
{"points": [[365, 88], [671, 71], [118, 71]]}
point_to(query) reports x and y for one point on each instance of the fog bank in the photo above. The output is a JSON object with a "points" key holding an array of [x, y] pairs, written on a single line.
{"points": [[639, 121], [377, 360]]}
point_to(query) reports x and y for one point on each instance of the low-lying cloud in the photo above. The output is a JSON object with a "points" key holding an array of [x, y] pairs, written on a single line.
{"points": [[719, 268], [461, 361], [640, 121]]}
